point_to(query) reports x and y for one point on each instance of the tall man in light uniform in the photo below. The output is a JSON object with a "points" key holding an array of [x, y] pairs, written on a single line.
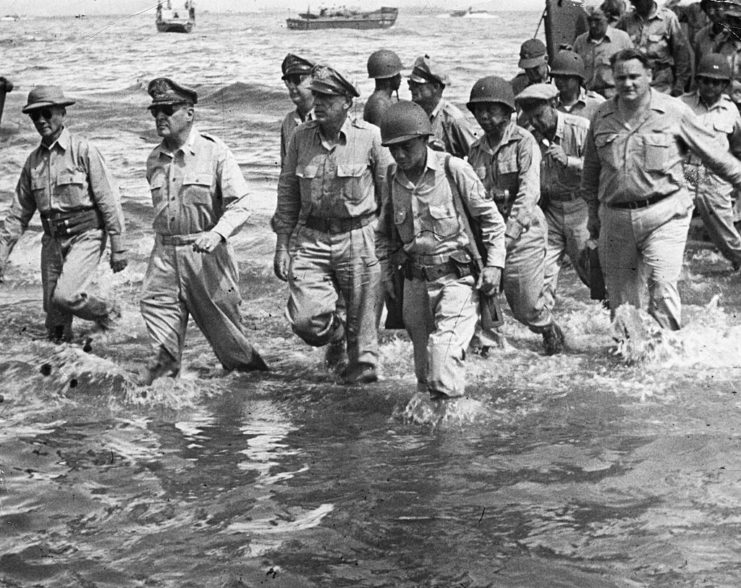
{"points": [[200, 201], [561, 138], [633, 181], [66, 179], [329, 194], [296, 76], [451, 131], [422, 223], [507, 160], [720, 115]]}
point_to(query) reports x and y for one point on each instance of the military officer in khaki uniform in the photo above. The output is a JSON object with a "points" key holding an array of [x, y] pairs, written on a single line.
{"points": [[296, 76], [200, 200], [329, 193], [67, 181]]}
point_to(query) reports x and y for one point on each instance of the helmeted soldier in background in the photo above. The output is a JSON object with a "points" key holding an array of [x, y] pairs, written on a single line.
{"points": [[561, 137], [451, 131], [200, 201], [507, 160], [296, 76], [567, 73], [66, 179], [423, 228], [711, 193], [534, 62], [384, 66]]}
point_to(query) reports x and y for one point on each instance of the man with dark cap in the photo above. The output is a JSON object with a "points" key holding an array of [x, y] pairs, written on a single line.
{"points": [[200, 200], [296, 77], [451, 131], [534, 62], [567, 73], [384, 66], [329, 193], [67, 181], [595, 47], [561, 137], [656, 32], [711, 193]]}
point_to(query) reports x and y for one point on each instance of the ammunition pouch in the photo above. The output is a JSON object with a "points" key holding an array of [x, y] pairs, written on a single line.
{"points": [[68, 224], [459, 264]]}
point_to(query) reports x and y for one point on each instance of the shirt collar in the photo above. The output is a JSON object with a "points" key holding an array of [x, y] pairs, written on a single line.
{"points": [[63, 140], [506, 138], [606, 38], [437, 109], [189, 145]]}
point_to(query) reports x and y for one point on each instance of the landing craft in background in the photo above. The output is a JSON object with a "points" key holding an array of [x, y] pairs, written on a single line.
{"points": [[171, 20], [344, 19], [471, 13]]}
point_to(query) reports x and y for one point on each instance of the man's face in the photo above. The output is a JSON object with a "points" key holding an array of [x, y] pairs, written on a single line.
{"points": [[537, 74], [492, 116], [710, 89], [48, 121], [172, 119], [543, 117], [597, 27], [330, 109], [642, 6], [632, 79], [425, 94], [410, 154], [298, 89], [569, 85]]}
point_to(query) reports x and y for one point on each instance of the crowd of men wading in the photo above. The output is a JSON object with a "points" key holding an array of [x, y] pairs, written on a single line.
{"points": [[600, 153]]}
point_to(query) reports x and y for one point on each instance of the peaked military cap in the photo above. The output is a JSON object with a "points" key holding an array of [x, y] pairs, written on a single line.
{"points": [[293, 64], [537, 92], [165, 91], [325, 80], [425, 70], [43, 96]]}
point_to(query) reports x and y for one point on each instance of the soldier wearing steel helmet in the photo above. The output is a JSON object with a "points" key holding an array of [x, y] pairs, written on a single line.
{"points": [[567, 73], [422, 228], [296, 76], [384, 66], [329, 192], [451, 131], [711, 193], [507, 160]]}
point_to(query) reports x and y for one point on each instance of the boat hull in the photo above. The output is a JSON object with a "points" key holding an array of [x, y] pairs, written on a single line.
{"points": [[381, 19], [175, 26]]}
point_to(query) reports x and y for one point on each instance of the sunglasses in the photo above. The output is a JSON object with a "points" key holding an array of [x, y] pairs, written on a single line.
{"points": [[294, 79], [37, 114], [166, 109]]}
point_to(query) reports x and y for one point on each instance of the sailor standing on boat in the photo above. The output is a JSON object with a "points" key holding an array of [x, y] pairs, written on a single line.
{"points": [[384, 66], [296, 76], [329, 194], [200, 200], [451, 131], [66, 179]]}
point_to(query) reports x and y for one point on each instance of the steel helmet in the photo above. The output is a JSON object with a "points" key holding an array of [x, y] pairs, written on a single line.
{"points": [[403, 121], [568, 63], [384, 63], [715, 66], [492, 89]]}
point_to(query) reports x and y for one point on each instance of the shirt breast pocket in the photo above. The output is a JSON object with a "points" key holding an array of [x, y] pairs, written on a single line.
{"points": [[656, 151], [355, 182], [403, 223], [607, 149], [197, 189], [507, 182], [71, 189], [444, 221], [657, 46]]}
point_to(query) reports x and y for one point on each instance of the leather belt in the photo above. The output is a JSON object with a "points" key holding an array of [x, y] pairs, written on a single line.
{"points": [[69, 224], [338, 225], [635, 204], [564, 197], [178, 240], [430, 273]]}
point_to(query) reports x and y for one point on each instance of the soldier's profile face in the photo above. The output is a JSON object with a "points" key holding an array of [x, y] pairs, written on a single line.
{"points": [[411, 154], [537, 74], [543, 117], [174, 124], [329, 108], [425, 94], [632, 79]]}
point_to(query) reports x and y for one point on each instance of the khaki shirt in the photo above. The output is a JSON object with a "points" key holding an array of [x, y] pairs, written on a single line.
{"points": [[558, 180], [661, 39], [290, 122], [623, 164], [338, 181], [198, 188], [510, 172], [425, 216], [585, 106], [451, 128], [596, 56], [69, 175], [724, 122]]}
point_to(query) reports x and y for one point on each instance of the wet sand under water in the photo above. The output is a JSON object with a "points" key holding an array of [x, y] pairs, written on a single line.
{"points": [[586, 469]]}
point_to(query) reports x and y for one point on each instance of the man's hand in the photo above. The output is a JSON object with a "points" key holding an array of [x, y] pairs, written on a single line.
{"points": [[387, 282], [281, 261], [118, 261], [489, 280], [207, 242], [558, 154]]}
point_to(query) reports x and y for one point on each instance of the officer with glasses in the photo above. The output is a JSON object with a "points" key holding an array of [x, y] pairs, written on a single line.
{"points": [[66, 179], [200, 200]]}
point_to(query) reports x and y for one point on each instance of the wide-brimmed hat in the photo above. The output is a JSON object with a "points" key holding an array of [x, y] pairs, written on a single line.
{"points": [[43, 96]]}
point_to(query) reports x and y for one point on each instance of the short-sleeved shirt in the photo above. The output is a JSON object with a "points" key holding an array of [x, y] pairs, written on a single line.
{"points": [[585, 106], [557, 180], [510, 172], [596, 56], [426, 219], [452, 129], [67, 176], [198, 188], [343, 180], [623, 164]]}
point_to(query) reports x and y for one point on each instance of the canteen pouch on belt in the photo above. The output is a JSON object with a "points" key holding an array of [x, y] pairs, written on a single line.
{"points": [[394, 314], [591, 264], [69, 224]]}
